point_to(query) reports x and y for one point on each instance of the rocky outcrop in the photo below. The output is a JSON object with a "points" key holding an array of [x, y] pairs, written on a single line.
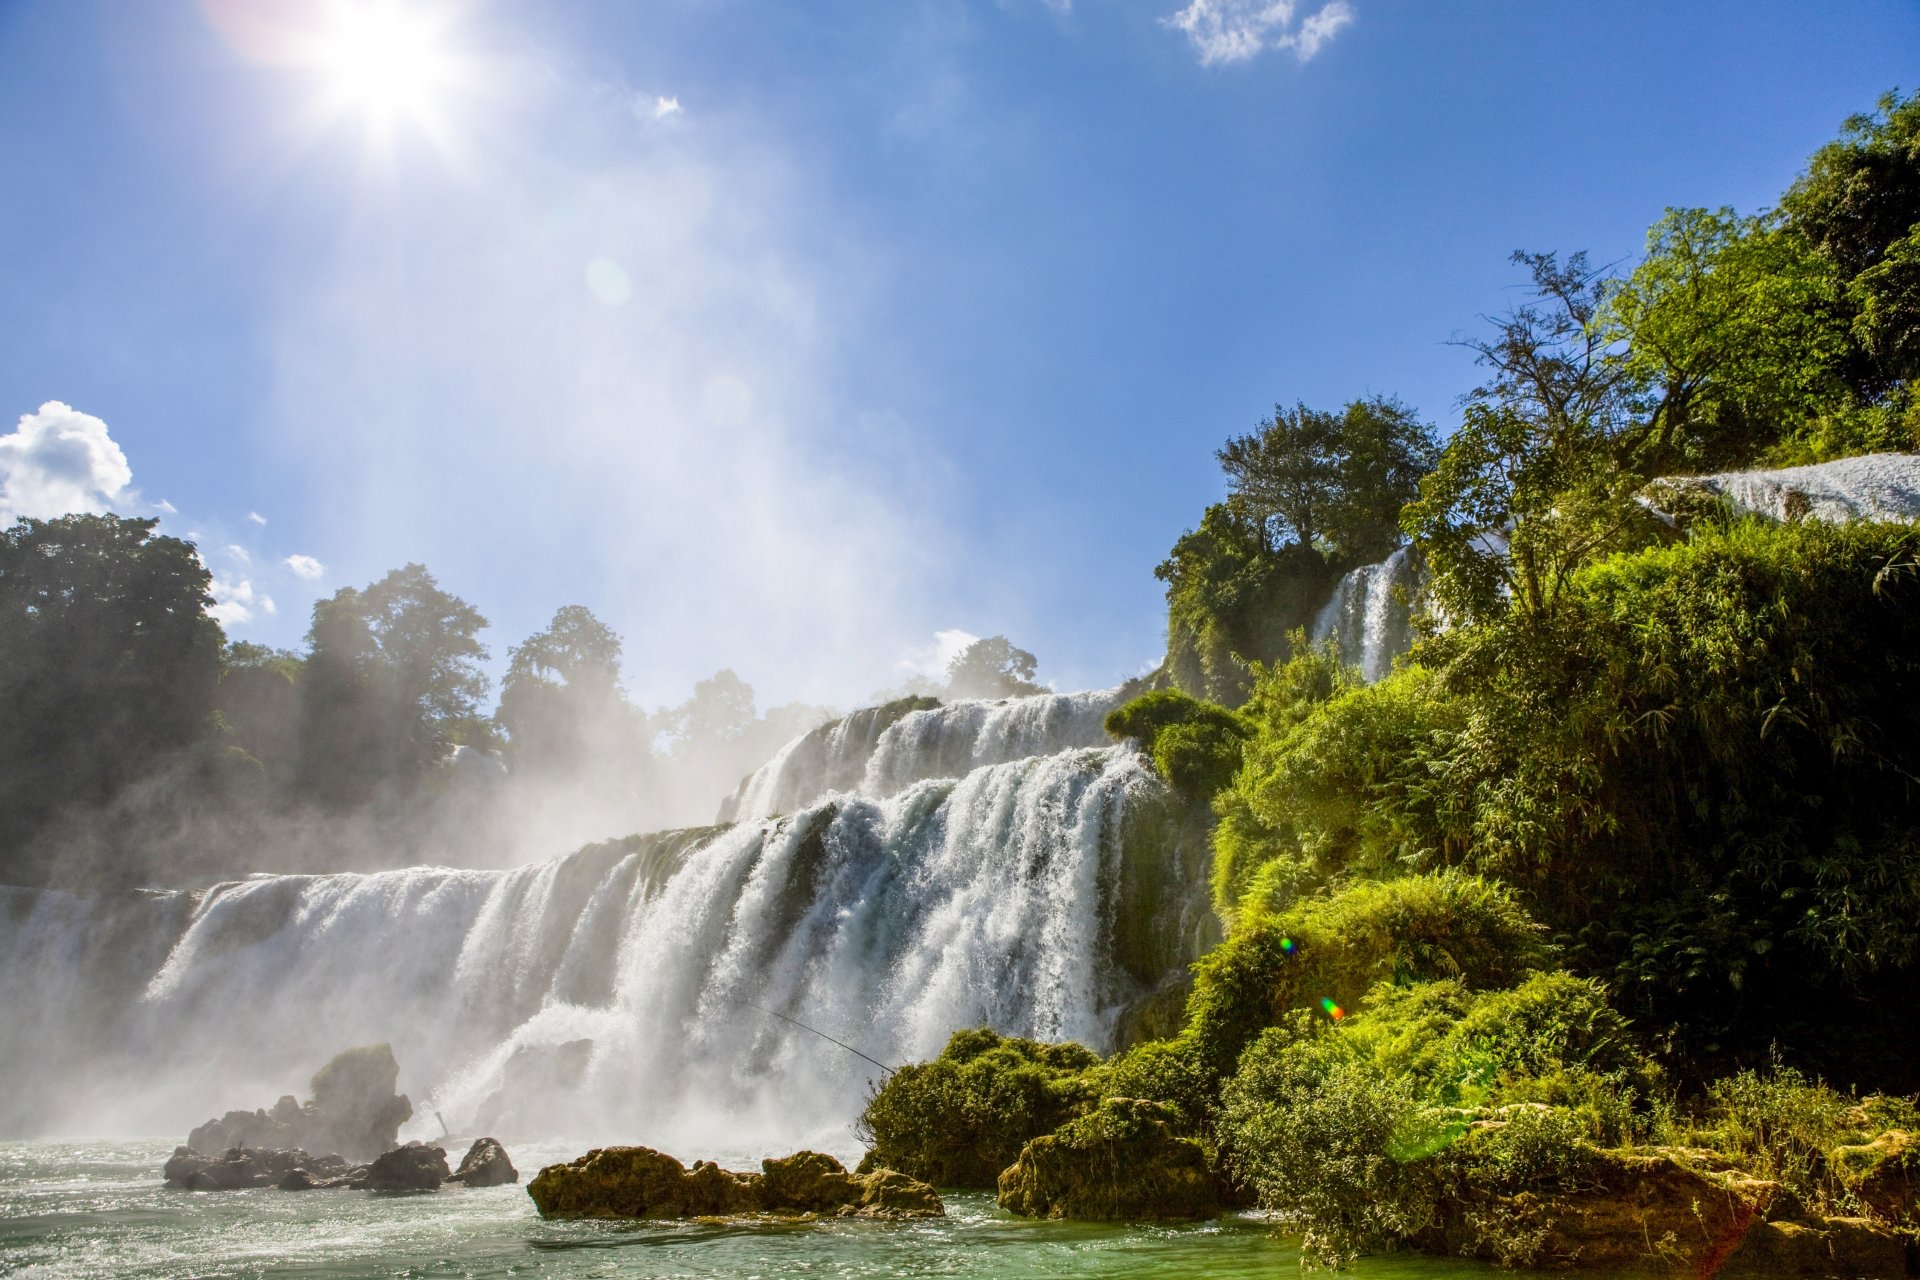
{"points": [[1661, 1210], [414, 1167], [1884, 1174], [353, 1111], [485, 1165], [1121, 1162], [639, 1182], [241, 1167]]}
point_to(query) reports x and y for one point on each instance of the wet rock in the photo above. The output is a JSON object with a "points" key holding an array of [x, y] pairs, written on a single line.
{"points": [[1818, 1247], [1121, 1162], [354, 1112], [639, 1182], [485, 1165], [414, 1167], [241, 1167]]}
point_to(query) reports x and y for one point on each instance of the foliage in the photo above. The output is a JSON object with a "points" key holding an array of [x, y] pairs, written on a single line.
{"points": [[108, 667], [1331, 481], [393, 682], [561, 704], [960, 1119], [1311, 1123], [1335, 947], [992, 668], [1170, 1072], [1195, 745], [1232, 599]]}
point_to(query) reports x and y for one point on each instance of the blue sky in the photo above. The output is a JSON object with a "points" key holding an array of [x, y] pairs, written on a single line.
{"points": [[786, 336]]}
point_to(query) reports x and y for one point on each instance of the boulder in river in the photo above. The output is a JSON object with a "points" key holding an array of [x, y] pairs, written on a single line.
{"points": [[414, 1167], [485, 1165], [241, 1167], [1120, 1162], [639, 1182], [353, 1111]]}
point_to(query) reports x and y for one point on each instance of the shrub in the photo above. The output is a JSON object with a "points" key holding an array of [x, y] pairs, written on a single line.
{"points": [[1312, 1124], [1195, 745], [1336, 948], [960, 1119], [1170, 1072]]}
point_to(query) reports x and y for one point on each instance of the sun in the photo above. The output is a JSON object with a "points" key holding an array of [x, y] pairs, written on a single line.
{"points": [[387, 62]]}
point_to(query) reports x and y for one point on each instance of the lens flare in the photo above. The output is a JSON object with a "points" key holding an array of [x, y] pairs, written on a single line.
{"points": [[1333, 1010], [1286, 945]]}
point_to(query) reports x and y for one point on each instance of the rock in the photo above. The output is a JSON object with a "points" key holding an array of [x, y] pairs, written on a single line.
{"points": [[353, 1112], [354, 1109], [414, 1167], [485, 1165], [239, 1167], [639, 1182], [297, 1180], [1884, 1174], [1121, 1162], [1661, 1209]]}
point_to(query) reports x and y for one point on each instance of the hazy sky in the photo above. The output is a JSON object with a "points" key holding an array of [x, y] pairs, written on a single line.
{"points": [[785, 336]]}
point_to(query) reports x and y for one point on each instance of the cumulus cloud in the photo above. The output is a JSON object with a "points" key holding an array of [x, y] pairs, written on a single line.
{"points": [[934, 659], [59, 461], [234, 601], [306, 567], [1236, 30]]}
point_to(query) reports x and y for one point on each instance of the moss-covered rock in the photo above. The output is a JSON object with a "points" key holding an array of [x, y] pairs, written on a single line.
{"points": [[1884, 1174], [639, 1182], [1120, 1163]]}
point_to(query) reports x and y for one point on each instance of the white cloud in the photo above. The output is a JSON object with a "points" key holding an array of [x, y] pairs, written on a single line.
{"points": [[1236, 30], [256, 517], [233, 601], [306, 567], [238, 552], [166, 508], [268, 607], [665, 108], [59, 461], [934, 659]]}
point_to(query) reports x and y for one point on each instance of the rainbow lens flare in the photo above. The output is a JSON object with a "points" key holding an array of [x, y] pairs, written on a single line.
{"points": [[1334, 1011], [1286, 945]]}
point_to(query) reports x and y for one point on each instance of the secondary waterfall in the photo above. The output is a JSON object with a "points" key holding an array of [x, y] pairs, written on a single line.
{"points": [[1878, 486], [1368, 616], [881, 751], [612, 993]]}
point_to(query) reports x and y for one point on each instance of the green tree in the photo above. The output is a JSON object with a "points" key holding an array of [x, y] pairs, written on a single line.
{"points": [[108, 663], [1332, 481], [393, 683], [561, 700], [992, 668]]}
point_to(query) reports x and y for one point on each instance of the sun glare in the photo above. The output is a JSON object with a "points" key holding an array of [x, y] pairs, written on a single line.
{"points": [[387, 62]]}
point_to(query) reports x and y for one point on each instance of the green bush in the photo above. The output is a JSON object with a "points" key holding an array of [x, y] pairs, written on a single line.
{"points": [[1195, 745], [1170, 1072], [1337, 947], [960, 1119], [1311, 1123]]}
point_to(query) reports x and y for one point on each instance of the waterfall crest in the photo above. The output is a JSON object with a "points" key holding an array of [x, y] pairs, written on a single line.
{"points": [[881, 751]]}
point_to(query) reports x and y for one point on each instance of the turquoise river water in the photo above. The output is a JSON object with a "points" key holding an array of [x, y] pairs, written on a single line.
{"points": [[73, 1209]]}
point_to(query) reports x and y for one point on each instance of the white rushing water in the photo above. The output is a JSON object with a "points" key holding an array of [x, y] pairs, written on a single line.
{"points": [[881, 751], [1877, 486], [1368, 616], [614, 989]]}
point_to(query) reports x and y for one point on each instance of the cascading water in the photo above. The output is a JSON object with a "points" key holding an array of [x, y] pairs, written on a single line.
{"points": [[1879, 486], [1369, 617], [881, 751], [888, 923]]}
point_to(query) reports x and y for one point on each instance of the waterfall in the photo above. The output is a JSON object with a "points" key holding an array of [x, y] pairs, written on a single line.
{"points": [[620, 980], [1878, 486], [1368, 616], [880, 751]]}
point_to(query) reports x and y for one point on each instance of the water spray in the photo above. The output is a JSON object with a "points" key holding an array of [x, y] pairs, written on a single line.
{"points": [[823, 1035]]}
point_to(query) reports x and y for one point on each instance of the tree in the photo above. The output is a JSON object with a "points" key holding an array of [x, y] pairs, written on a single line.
{"points": [[561, 698], [1334, 482], [393, 684], [108, 663], [992, 668]]}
